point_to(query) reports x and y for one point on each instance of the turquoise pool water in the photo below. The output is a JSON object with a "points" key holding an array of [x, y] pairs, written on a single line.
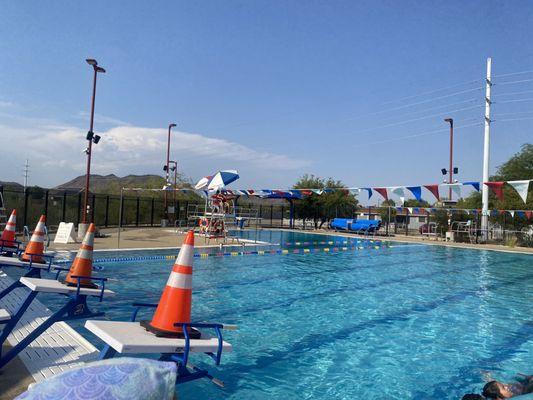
{"points": [[405, 322]]}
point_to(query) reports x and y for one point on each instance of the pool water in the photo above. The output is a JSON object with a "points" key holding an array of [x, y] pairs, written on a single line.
{"points": [[404, 322]]}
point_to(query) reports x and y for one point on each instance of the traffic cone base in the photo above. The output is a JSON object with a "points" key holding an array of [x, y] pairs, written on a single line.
{"points": [[193, 333]]}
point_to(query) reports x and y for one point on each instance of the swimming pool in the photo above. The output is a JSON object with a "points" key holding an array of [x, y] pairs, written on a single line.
{"points": [[405, 322]]}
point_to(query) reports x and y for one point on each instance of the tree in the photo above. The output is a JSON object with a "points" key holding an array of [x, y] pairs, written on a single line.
{"points": [[518, 167], [327, 205]]}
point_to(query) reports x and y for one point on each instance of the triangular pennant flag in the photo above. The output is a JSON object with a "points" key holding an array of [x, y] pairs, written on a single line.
{"points": [[529, 214], [494, 213], [474, 212], [434, 189], [399, 209], [512, 213], [474, 184], [416, 210], [417, 191], [456, 188], [410, 209], [398, 191], [497, 188], [521, 214], [521, 188], [383, 192], [369, 192]]}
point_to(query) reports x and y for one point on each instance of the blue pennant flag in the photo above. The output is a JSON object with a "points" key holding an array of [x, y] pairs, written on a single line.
{"points": [[369, 192], [475, 185], [416, 190]]}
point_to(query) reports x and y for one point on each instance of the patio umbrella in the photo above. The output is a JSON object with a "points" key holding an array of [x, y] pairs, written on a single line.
{"points": [[202, 183], [222, 178]]}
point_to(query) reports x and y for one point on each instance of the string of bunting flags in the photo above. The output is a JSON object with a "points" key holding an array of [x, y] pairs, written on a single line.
{"points": [[520, 186]]}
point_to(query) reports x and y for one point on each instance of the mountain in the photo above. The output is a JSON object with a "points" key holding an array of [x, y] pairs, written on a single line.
{"points": [[12, 185], [112, 184]]}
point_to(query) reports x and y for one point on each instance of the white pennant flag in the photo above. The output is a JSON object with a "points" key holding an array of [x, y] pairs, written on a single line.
{"points": [[512, 213], [456, 187], [399, 191], [521, 188]]}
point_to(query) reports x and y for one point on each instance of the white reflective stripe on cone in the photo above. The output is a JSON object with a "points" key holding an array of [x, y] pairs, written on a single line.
{"points": [[37, 238], [179, 281], [185, 256], [85, 254]]}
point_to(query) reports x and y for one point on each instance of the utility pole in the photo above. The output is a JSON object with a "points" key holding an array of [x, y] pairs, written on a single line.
{"points": [[450, 172], [26, 174], [486, 154]]}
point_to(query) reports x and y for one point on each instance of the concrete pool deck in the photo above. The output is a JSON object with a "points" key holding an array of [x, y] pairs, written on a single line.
{"points": [[145, 238]]}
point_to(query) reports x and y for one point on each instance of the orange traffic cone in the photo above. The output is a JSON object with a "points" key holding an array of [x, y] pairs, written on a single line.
{"points": [[83, 263], [8, 235], [175, 303], [36, 243]]}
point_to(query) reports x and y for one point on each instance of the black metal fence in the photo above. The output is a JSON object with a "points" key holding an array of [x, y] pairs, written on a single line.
{"points": [[140, 209]]}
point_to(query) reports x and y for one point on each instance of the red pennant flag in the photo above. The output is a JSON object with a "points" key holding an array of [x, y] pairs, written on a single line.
{"points": [[529, 214], [383, 192], [497, 188], [434, 189]]}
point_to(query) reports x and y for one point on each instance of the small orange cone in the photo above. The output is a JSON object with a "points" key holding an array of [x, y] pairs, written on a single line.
{"points": [[8, 235], [36, 243], [83, 263], [175, 303]]}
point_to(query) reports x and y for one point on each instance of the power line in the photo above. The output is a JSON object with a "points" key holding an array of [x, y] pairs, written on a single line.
{"points": [[513, 101], [434, 91], [513, 73], [412, 104], [515, 113], [514, 119], [422, 118], [513, 82], [516, 93], [421, 134]]}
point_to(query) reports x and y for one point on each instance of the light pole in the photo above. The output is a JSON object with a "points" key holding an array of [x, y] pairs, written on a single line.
{"points": [[450, 171], [91, 137], [166, 169]]}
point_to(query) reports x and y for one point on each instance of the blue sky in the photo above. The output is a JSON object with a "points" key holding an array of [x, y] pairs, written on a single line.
{"points": [[274, 89]]}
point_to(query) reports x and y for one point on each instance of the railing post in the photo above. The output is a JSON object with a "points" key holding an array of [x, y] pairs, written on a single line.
{"points": [[79, 208], [406, 222], [152, 212], [93, 204], [106, 221], [137, 212], [64, 211], [121, 222], [46, 206], [271, 215], [282, 215], [25, 215]]}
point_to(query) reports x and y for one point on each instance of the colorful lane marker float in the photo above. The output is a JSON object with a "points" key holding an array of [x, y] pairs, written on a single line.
{"points": [[374, 245]]}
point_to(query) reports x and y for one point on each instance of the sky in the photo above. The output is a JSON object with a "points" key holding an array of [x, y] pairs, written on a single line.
{"points": [[275, 89]]}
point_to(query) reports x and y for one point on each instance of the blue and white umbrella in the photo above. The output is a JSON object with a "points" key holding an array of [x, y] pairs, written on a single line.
{"points": [[222, 178]]}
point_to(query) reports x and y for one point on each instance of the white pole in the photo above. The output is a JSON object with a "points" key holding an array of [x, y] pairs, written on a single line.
{"points": [[486, 154]]}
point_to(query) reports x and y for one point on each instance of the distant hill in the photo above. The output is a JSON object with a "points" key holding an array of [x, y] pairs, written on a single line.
{"points": [[111, 183], [11, 185]]}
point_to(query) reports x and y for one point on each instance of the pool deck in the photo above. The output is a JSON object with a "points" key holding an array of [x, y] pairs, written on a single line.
{"points": [[145, 238], [430, 241], [167, 238]]}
